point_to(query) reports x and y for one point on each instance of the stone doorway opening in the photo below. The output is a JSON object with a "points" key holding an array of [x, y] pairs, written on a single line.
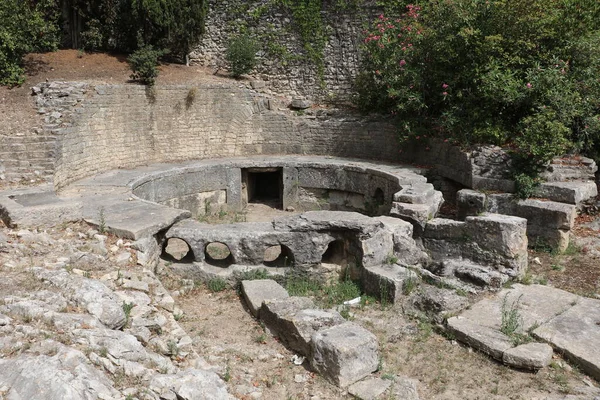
{"points": [[263, 186]]}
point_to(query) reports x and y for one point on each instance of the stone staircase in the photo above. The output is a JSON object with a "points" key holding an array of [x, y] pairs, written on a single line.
{"points": [[27, 157]]}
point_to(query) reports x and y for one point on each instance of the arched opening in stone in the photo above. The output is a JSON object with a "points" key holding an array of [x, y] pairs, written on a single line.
{"points": [[178, 250], [279, 256], [335, 253], [379, 197], [218, 254]]}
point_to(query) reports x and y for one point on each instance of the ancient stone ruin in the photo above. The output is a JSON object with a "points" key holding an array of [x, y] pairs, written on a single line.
{"points": [[151, 172]]}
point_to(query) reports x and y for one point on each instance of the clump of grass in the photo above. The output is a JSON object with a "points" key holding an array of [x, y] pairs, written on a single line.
{"points": [[327, 295], [127, 307], [511, 317], [253, 275], [101, 220], [557, 267], [572, 249], [391, 259], [409, 284], [216, 285], [300, 285], [261, 339]]}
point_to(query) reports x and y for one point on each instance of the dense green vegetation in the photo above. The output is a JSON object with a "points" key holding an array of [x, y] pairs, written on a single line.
{"points": [[24, 28], [521, 73], [241, 55], [524, 74], [171, 26]]}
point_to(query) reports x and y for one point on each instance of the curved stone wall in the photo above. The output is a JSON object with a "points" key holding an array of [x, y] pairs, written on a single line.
{"points": [[334, 184], [124, 126]]}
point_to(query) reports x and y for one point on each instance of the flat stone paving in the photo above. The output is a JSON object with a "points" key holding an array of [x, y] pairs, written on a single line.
{"points": [[567, 322]]}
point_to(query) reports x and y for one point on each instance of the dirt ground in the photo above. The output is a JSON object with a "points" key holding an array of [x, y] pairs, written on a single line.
{"points": [[252, 361]]}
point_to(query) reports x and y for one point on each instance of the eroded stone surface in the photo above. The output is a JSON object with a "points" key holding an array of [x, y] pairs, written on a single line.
{"points": [[369, 388], [487, 340], [257, 291], [345, 353], [576, 333], [528, 356], [67, 374]]}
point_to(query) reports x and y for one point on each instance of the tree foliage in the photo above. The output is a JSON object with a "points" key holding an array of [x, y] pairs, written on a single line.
{"points": [[520, 73], [127, 25], [24, 27]]}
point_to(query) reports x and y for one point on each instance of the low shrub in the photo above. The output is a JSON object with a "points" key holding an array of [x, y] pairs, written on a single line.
{"points": [[241, 55], [144, 64]]}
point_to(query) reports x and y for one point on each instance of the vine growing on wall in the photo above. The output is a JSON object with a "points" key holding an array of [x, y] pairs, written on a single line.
{"points": [[307, 22]]}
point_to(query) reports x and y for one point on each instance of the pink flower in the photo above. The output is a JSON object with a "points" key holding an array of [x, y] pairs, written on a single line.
{"points": [[445, 93], [402, 63], [444, 86], [528, 85]]}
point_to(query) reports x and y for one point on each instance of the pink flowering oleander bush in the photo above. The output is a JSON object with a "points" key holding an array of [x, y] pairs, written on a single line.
{"points": [[522, 73]]}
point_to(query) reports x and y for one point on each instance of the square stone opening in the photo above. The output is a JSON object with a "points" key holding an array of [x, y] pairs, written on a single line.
{"points": [[264, 186]]}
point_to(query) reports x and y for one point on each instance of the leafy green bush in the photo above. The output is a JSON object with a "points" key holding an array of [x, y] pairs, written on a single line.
{"points": [[23, 29], [144, 64], [520, 73], [241, 55], [525, 185]]}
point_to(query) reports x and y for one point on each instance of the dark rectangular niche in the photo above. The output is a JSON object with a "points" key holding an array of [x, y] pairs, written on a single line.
{"points": [[263, 185]]}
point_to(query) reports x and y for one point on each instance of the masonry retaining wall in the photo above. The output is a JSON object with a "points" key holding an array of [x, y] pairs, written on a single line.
{"points": [[124, 126]]}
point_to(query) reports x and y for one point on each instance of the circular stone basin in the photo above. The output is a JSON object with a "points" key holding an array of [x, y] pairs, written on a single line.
{"points": [[298, 183]]}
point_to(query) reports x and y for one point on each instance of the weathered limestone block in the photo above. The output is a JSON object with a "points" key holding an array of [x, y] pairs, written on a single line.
{"points": [[416, 193], [528, 356], [547, 221], [576, 334], [295, 320], [344, 353], [369, 388], [571, 192], [66, 374], [417, 203], [565, 169], [406, 250], [96, 297], [257, 291], [38, 206], [300, 104], [190, 384], [477, 274], [547, 214], [376, 248], [470, 202], [385, 280], [435, 302], [487, 340], [486, 248], [502, 234], [405, 388]]}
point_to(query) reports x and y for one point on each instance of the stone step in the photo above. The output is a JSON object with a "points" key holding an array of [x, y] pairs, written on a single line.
{"points": [[575, 168], [27, 155], [27, 139], [571, 192], [416, 193], [422, 206]]}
